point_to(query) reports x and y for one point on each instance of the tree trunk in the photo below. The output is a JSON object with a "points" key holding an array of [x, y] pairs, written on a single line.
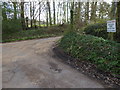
{"points": [[31, 15], [47, 18], [39, 13], [79, 11], [118, 21], [22, 16], [50, 20], [15, 11], [77, 18], [101, 10], [93, 11], [34, 14], [113, 10], [71, 16], [64, 14], [86, 12], [4, 14], [67, 12], [26, 23], [54, 12], [57, 17]]}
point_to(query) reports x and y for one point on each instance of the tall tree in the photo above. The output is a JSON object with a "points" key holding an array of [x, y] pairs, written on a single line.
{"points": [[31, 14], [46, 18], [79, 11], [101, 10], [34, 23], [4, 10], [86, 12], [77, 15], [93, 11], [118, 21], [15, 11], [104, 10], [57, 16], [64, 13], [22, 15], [49, 10], [113, 10], [54, 16], [67, 11], [39, 12], [72, 15]]}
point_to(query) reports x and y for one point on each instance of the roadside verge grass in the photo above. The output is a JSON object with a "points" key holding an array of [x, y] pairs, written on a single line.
{"points": [[104, 53], [33, 34]]}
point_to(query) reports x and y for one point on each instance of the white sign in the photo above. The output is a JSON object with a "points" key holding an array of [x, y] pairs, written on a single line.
{"points": [[111, 26]]}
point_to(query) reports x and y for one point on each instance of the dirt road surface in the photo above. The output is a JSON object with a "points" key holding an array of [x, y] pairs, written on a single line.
{"points": [[32, 64]]}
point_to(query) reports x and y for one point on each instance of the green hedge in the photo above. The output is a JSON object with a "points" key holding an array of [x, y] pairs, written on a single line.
{"points": [[10, 26], [104, 53], [99, 29]]}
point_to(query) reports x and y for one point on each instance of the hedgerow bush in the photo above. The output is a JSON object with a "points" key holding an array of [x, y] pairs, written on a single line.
{"points": [[99, 29], [10, 26], [104, 53]]}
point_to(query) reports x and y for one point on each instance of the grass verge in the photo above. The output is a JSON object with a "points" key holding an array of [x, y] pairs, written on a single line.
{"points": [[33, 34], [104, 53]]}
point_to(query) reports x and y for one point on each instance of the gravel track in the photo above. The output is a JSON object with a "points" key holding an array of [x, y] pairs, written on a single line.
{"points": [[32, 64]]}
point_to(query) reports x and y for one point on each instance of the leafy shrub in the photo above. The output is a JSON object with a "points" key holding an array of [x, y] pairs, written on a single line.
{"points": [[11, 26], [104, 53], [99, 30]]}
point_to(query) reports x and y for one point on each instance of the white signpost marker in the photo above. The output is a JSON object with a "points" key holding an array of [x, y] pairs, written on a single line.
{"points": [[111, 28]]}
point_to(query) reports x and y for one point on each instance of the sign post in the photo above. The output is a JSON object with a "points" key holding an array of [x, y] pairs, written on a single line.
{"points": [[111, 28]]}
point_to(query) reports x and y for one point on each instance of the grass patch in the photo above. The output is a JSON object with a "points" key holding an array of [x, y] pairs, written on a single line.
{"points": [[104, 53]]}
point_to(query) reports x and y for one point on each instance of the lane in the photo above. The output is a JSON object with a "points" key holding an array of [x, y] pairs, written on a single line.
{"points": [[32, 64]]}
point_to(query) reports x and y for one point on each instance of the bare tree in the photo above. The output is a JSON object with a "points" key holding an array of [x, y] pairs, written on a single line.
{"points": [[67, 11], [54, 16], [64, 13], [93, 11], [113, 10], [39, 12], [31, 14], [22, 15], [47, 18], [50, 19], [79, 11], [118, 21], [34, 13], [86, 12], [15, 11], [71, 15]]}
